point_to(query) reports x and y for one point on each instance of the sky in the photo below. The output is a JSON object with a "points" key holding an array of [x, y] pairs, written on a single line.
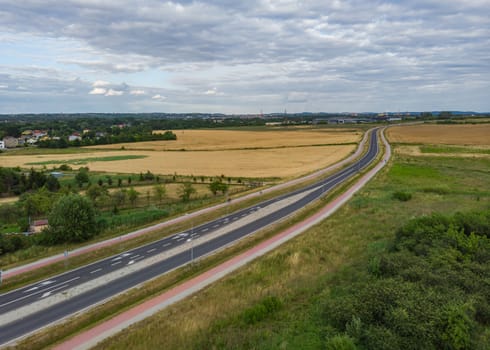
{"points": [[228, 56]]}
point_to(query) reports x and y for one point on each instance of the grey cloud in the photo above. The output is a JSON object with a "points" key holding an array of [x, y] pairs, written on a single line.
{"points": [[293, 51]]}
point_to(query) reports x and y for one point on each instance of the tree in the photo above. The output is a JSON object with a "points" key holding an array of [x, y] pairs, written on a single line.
{"points": [[118, 198], [218, 186], [52, 184], [186, 190], [72, 219], [37, 203], [133, 195], [159, 192], [149, 176], [9, 213], [82, 177], [96, 192]]}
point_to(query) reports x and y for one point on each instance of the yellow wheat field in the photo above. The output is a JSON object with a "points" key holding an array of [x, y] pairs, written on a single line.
{"points": [[282, 162], [278, 153], [478, 134], [236, 139]]}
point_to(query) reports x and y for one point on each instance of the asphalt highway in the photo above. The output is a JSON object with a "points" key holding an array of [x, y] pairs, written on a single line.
{"points": [[57, 284]]}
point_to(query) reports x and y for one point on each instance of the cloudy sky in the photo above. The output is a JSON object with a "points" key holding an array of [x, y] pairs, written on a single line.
{"points": [[249, 56]]}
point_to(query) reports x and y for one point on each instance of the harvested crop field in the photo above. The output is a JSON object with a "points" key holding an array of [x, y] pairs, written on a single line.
{"points": [[249, 154], [200, 140], [280, 162], [478, 134]]}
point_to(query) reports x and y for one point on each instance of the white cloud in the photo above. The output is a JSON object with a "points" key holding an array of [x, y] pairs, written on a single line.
{"points": [[137, 92], [98, 91], [4, 86], [99, 83], [212, 91], [112, 92], [159, 97]]}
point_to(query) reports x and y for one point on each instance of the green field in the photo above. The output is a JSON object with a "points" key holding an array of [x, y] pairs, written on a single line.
{"points": [[452, 149], [283, 300]]}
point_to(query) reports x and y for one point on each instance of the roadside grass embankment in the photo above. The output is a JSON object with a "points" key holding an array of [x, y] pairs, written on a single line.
{"points": [[237, 312]]}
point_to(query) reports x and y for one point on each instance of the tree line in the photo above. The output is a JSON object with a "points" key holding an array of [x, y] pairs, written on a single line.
{"points": [[76, 217]]}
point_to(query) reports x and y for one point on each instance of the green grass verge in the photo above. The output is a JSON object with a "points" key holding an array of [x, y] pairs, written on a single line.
{"points": [[79, 161], [452, 149], [235, 312]]}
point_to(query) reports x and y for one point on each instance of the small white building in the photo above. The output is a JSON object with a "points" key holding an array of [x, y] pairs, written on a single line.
{"points": [[2, 144], [74, 137]]}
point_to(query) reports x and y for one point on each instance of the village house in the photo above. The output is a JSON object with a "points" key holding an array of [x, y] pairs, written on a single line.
{"points": [[39, 133], [38, 225], [75, 136], [10, 142]]}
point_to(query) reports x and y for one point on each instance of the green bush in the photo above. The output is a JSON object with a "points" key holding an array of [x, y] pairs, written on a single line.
{"points": [[340, 342], [425, 292], [402, 196], [262, 310], [436, 190]]}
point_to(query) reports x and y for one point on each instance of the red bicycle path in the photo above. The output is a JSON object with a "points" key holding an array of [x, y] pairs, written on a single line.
{"points": [[95, 246], [91, 337]]}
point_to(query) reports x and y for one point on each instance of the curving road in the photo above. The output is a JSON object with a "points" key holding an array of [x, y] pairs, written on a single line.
{"points": [[22, 297]]}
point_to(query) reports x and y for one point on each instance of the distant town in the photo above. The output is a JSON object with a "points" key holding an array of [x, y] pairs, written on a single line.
{"points": [[85, 129]]}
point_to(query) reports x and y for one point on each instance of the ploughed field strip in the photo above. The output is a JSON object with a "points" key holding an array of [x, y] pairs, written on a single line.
{"points": [[9, 302]]}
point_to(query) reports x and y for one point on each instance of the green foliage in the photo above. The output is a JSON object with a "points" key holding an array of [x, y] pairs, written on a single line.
{"points": [[218, 186], [262, 310], [169, 135], [425, 292], [402, 196], [159, 192], [132, 195], [64, 167], [186, 190], [97, 193], [118, 198], [9, 213], [52, 184], [149, 176], [458, 327], [12, 242], [37, 203], [15, 181], [451, 149], [436, 190], [82, 176], [72, 219], [340, 342]]}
